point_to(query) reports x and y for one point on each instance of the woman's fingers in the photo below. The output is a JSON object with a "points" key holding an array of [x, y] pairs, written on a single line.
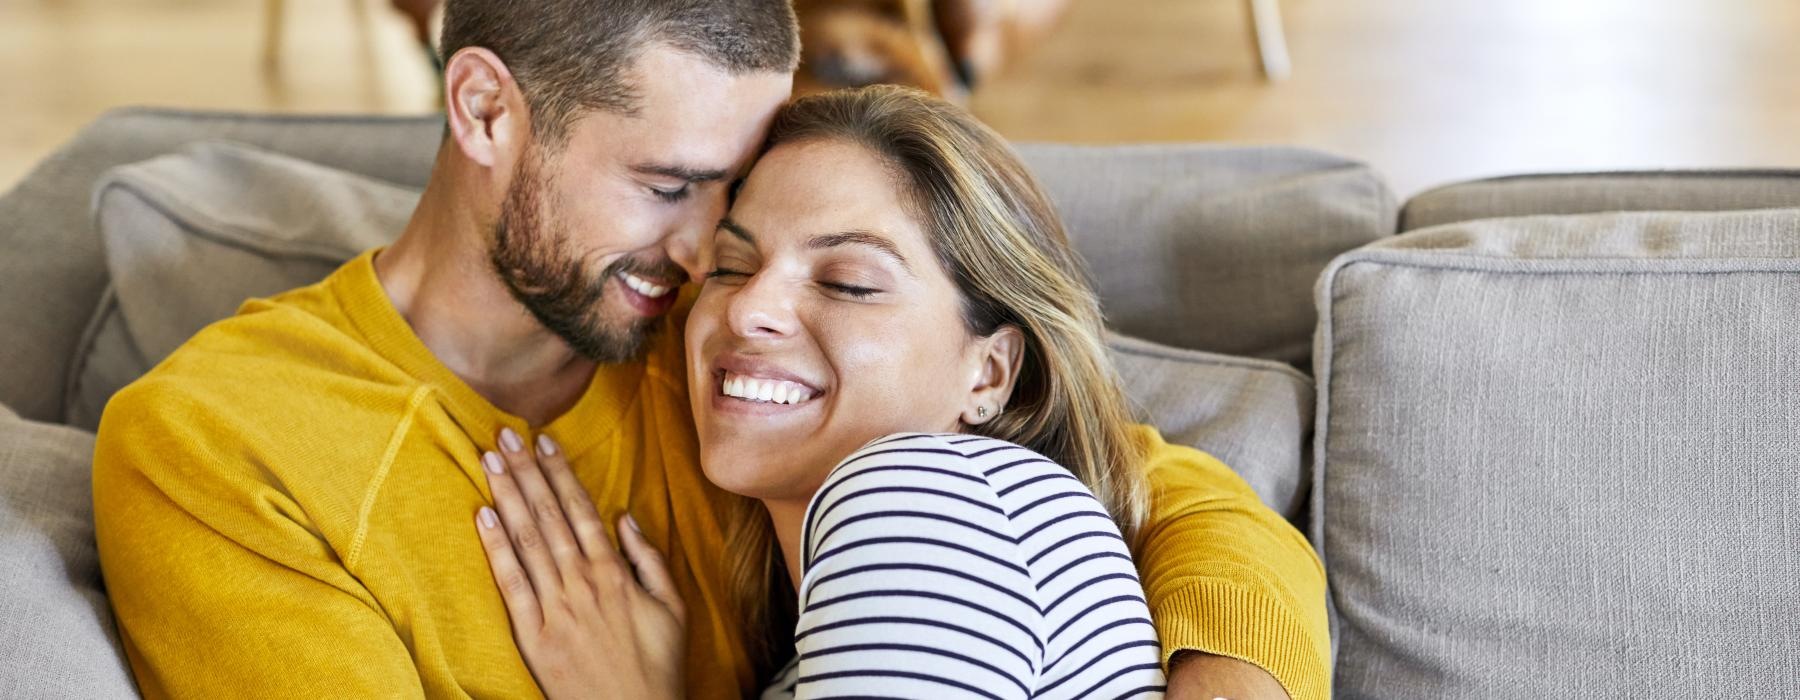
{"points": [[590, 533], [545, 508], [528, 544], [652, 571], [515, 585]]}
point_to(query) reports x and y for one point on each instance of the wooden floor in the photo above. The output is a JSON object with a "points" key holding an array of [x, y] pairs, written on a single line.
{"points": [[1429, 91]]}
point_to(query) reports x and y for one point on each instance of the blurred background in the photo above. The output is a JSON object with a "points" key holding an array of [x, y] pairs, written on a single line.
{"points": [[1427, 91]]}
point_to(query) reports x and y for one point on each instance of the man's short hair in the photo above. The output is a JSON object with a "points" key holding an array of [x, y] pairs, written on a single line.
{"points": [[572, 55]]}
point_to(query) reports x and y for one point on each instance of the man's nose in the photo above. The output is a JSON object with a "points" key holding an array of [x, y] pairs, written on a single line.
{"points": [[684, 249], [684, 244]]}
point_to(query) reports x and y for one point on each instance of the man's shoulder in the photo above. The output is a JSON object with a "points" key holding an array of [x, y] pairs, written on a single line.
{"points": [[300, 341], [260, 395]]}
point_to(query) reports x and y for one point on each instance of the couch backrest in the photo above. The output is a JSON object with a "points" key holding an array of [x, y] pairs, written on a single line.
{"points": [[1201, 247]]}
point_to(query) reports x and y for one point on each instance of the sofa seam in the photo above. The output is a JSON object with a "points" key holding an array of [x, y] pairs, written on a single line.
{"points": [[84, 346]]}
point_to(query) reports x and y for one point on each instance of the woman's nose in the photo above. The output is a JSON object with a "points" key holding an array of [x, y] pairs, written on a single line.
{"points": [[763, 308]]}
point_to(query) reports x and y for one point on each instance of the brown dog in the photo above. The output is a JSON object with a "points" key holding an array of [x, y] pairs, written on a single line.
{"points": [[945, 47]]}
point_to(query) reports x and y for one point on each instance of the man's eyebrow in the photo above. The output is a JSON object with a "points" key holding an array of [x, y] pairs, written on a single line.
{"points": [[868, 238], [678, 172]]}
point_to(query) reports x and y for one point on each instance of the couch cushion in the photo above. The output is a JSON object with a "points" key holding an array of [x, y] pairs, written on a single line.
{"points": [[58, 639], [54, 273], [258, 223], [1213, 247], [1254, 415], [189, 236], [1560, 457], [1587, 193]]}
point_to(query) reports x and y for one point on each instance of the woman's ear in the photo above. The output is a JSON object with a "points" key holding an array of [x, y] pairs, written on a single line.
{"points": [[485, 109], [1001, 355]]}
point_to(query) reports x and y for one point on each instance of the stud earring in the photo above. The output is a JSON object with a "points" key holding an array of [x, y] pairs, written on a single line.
{"points": [[981, 411]]}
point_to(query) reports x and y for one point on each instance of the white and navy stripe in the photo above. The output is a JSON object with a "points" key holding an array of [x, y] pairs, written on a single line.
{"points": [[941, 566]]}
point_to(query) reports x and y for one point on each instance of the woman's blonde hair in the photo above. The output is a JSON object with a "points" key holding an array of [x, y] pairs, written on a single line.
{"points": [[997, 235]]}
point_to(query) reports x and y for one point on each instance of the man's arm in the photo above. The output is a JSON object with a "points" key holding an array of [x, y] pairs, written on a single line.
{"points": [[1230, 583], [221, 585], [1198, 676]]}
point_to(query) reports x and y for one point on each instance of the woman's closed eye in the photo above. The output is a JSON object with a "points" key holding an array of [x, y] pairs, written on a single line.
{"points": [[850, 289]]}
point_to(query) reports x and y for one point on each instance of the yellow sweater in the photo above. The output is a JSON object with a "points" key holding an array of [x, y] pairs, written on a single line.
{"points": [[284, 508]]}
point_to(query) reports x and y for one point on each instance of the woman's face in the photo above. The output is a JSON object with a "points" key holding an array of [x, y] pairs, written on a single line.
{"points": [[827, 322]]}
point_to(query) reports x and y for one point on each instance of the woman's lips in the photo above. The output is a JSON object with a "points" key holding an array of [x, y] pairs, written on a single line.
{"points": [[743, 384], [764, 389]]}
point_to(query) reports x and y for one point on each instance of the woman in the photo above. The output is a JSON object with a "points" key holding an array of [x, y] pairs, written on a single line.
{"points": [[898, 357]]}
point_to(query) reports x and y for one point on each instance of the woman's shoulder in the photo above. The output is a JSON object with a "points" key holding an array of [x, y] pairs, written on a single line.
{"points": [[988, 473], [909, 497], [972, 458], [909, 466]]}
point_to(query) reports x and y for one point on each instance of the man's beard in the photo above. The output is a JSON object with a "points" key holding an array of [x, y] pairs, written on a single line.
{"points": [[531, 256]]}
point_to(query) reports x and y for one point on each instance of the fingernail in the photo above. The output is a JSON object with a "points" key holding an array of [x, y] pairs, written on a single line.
{"points": [[633, 523], [487, 518], [491, 460], [546, 445], [510, 440]]}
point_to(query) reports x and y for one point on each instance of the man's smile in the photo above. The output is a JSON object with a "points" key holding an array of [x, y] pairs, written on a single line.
{"points": [[645, 297]]}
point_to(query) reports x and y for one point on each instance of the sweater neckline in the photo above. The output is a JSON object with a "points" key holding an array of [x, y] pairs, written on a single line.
{"points": [[594, 417]]}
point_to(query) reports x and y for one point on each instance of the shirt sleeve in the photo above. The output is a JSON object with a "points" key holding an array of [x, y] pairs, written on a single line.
{"points": [[221, 585], [908, 587], [1227, 575]]}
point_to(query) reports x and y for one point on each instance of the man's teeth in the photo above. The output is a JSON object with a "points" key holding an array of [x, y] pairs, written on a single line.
{"points": [[643, 286], [765, 390]]}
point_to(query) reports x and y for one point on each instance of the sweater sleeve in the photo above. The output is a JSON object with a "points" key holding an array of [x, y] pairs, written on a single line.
{"points": [[1226, 575], [221, 584]]}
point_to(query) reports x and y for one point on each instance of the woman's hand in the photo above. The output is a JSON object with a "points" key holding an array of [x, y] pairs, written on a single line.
{"points": [[586, 625]]}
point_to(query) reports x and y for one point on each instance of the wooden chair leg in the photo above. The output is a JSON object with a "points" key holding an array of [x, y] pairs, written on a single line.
{"points": [[274, 11], [1271, 39]]}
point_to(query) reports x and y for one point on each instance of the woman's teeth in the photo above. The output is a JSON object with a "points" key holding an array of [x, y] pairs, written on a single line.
{"points": [[765, 390], [643, 286]]}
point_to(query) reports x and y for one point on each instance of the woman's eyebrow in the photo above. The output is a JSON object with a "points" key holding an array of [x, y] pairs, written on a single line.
{"points": [[832, 240], [868, 238]]}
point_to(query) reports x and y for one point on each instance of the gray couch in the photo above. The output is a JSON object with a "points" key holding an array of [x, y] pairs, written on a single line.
{"points": [[1551, 447]]}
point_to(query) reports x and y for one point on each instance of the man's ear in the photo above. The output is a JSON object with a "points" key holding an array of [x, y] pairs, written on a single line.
{"points": [[1001, 355], [485, 108]]}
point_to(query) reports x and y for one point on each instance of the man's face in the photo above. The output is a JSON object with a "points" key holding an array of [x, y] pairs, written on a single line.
{"points": [[596, 235]]}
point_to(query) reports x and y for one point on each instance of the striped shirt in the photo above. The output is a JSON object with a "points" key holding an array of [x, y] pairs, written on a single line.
{"points": [[944, 566]]}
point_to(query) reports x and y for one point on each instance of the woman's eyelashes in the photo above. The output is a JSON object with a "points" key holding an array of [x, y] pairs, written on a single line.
{"points": [[671, 196], [851, 290]]}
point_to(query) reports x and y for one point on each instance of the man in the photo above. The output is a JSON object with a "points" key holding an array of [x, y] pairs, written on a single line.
{"points": [[283, 506]]}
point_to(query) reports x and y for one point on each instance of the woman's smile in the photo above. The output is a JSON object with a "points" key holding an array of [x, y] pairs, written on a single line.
{"points": [[749, 386]]}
